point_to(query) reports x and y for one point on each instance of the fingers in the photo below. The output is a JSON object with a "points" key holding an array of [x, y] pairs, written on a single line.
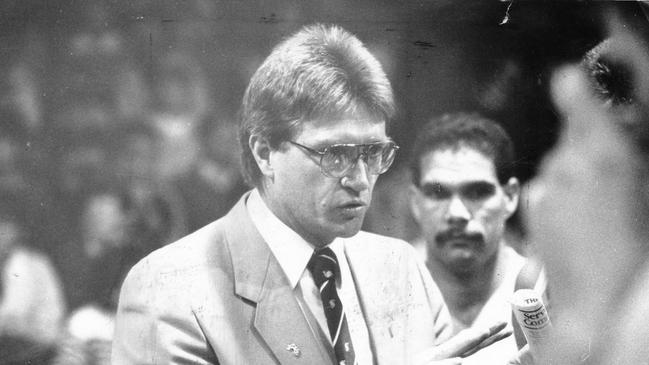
{"points": [[466, 340], [491, 340]]}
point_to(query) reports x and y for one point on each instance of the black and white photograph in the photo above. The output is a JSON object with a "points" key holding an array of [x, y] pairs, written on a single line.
{"points": [[370, 182]]}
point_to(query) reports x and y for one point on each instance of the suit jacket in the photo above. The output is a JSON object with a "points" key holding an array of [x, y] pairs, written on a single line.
{"points": [[219, 296]]}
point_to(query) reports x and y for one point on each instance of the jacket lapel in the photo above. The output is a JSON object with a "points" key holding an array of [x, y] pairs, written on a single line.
{"points": [[258, 277]]}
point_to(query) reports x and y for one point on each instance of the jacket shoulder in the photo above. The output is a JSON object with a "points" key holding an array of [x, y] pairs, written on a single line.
{"points": [[179, 266]]}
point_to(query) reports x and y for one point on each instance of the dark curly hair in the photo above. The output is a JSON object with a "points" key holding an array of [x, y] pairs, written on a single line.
{"points": [[462, 129]]}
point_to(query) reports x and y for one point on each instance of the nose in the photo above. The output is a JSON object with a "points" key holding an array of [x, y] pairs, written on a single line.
{"points": [[457, 212], [357, 178]]}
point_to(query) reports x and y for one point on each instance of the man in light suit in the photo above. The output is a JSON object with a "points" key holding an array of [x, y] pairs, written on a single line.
{"points": [[286, 277]]}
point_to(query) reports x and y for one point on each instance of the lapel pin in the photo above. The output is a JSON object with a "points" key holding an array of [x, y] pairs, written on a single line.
{"points": [[292, 348]]}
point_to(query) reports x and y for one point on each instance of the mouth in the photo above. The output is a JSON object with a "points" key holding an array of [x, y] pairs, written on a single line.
{"points": [[460, 243], [353, 207]]}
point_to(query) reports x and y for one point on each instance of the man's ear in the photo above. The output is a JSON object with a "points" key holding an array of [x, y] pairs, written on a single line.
{"points": [[512, 194], [413, 200], [261, 150]]}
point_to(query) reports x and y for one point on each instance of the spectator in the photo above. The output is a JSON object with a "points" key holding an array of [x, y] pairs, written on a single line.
{"points": [[114, 238], [162, 209], [31, 298], [196, 157]]}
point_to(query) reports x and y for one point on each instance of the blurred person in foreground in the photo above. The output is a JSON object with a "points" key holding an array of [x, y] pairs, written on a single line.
{"points": [[286, 276], [590, 225], [31, 296], [462, 193]]}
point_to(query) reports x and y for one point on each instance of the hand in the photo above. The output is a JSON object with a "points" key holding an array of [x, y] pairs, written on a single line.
{"points": [[593, 168], [524, 357], [463, 344]]}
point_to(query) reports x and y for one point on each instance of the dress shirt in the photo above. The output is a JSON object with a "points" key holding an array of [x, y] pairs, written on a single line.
{"points": [[293, 253]]}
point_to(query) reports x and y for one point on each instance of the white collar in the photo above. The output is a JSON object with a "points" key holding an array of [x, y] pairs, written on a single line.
{"points": [[290, 249]]}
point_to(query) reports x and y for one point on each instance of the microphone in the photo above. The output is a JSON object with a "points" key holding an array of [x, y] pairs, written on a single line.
{"points": [[532, 317]]}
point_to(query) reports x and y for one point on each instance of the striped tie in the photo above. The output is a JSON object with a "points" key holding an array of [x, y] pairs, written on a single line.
{"points": [[324, 269]]}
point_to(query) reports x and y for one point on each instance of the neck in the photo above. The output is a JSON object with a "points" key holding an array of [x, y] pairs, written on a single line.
{"points": [[466, 292]]}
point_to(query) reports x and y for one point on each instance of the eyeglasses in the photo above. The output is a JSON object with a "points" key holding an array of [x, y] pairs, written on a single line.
{"points": [[338, 160]]}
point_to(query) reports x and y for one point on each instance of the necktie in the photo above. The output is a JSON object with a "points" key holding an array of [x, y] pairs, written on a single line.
{"points": [[324, 269]]}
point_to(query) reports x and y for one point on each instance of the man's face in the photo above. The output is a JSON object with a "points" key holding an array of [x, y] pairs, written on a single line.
{"points": [[318, 207], [461, 207]]}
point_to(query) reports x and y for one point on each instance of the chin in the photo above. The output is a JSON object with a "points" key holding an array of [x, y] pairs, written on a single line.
{"points": [[347, 234], [328, 232], [344, 226], [463, 262], [461, 266], [348, 230]]}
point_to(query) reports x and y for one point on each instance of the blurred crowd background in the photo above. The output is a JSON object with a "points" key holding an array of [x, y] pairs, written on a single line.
{"points": [[118, 121]]}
